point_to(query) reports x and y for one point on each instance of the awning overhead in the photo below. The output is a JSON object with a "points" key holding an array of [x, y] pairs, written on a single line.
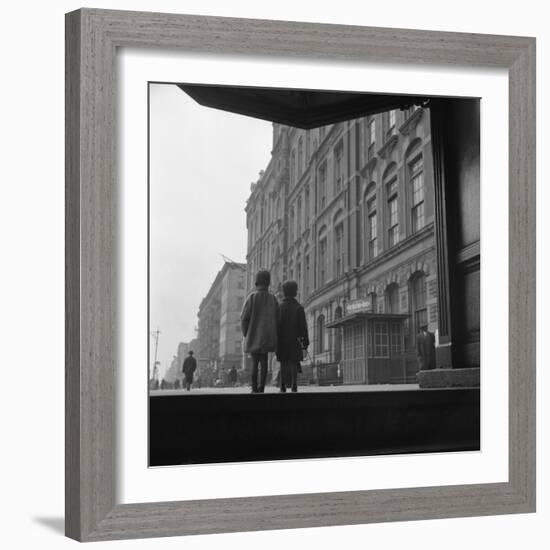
{"points": [[354, 317], [304, 109]]}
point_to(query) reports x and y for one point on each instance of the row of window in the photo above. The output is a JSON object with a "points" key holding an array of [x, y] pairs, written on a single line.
{"points": [[393, 200], [297, 165], [298, 160], [417, 205]]}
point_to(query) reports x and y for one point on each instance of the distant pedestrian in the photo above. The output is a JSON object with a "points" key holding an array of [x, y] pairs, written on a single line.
{"points": [[189, 367], [259, 327], [425, 348], [232, 376], [293, 336]]}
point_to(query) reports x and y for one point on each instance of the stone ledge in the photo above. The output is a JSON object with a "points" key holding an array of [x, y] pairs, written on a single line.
{"points": [[449, 378]]}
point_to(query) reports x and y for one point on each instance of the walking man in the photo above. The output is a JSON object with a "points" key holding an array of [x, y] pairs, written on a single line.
{"points": [[259, 327], [292, 336], [189, 367], [232, 376]]}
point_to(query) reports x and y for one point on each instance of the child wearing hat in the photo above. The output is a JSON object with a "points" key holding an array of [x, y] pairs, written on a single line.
{"points": [[259, 327]]}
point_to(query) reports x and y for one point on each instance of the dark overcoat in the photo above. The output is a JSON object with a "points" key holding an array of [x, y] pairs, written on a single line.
{"points": [[425, 348], [292, 331], [259, 322], [189, 367]]}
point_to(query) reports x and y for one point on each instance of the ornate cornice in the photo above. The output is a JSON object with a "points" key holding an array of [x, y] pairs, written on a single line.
{"points": [[412, 122], [388, 146], [367, 170]]}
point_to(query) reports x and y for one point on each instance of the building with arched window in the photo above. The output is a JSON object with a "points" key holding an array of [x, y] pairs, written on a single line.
{"points": [[354, 226]]}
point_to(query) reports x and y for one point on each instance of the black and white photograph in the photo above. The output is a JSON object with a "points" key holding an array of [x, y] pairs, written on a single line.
{"points": [[314, 274], [270, 275]]}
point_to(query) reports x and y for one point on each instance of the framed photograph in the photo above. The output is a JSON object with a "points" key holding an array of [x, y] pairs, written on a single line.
{"points": [[299, 291]]}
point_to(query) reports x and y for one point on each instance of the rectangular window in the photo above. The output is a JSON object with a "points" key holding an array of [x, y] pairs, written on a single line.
{"points": [[417, 186], [371, 139], [372, 228], [380, 339], [393, 215], [391, 121], [358, 352], [396, 339]]}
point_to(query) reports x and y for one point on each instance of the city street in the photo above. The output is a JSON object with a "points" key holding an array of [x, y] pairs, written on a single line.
{"points": [[301, 389]]}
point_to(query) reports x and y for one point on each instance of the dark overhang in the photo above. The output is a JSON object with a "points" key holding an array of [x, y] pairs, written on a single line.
{"points": [[361, 316], [304, 109]]}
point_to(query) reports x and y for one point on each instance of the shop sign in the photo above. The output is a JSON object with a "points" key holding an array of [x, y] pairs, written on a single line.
{"points": [[360, 305]]}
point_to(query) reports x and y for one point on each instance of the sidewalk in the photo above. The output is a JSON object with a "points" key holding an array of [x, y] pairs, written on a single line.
{"points": [[301, 389]]}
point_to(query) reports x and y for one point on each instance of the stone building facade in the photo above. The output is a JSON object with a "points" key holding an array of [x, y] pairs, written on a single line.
{"points": [[219, 332], [347, 210]]}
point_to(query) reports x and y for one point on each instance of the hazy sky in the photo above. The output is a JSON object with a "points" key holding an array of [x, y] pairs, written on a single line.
{"points": [[202, 162]]}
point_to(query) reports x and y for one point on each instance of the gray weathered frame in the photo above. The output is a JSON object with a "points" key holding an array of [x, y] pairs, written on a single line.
{"points": [[92, 38]]}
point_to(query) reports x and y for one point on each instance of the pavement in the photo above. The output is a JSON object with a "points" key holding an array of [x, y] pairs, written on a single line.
{"points": [[301, 389]]}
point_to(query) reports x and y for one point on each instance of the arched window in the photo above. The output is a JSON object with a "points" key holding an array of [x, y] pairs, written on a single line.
{"points": [[392, 298], [371, 222], [339, 249], [320, 334], [419, 310], [416, 179], [392, 198], [337, 336]]}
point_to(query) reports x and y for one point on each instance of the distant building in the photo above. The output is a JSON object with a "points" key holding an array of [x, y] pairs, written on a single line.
{"points": [[219, 335], [347, 211]]}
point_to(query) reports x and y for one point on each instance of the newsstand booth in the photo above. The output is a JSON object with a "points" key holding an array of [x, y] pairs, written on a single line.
{"points": [[373, 345]]}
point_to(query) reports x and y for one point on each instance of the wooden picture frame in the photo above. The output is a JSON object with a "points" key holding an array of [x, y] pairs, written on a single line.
{"points": [[92, 39]]}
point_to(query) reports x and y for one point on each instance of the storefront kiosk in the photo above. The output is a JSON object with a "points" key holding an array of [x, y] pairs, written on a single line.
{"points": [[373, 344]]}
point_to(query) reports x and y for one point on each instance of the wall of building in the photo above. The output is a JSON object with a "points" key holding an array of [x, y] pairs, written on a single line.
{"points": [[321, 214], [219, 335], [232, 300]]}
